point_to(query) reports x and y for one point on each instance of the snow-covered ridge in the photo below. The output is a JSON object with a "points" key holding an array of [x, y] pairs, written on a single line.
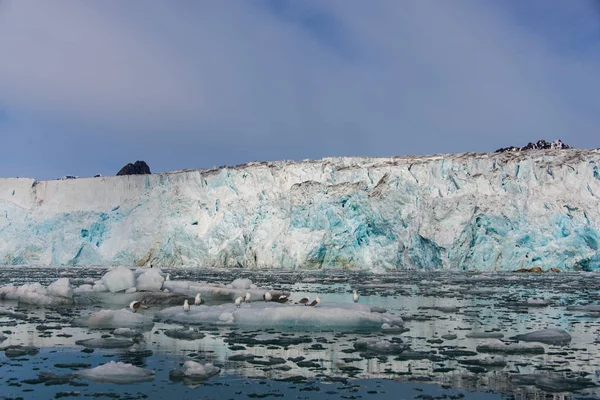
{"points": [[499, 211]]}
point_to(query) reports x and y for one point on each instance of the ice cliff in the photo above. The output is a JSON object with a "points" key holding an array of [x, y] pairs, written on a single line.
{"points": [[499, 211]]}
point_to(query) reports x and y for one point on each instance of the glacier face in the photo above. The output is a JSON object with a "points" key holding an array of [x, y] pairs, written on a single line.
{"points": [[499, 211]]}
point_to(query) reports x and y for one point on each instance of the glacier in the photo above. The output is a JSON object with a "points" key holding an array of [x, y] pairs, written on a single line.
{"points": [[470, 211]]}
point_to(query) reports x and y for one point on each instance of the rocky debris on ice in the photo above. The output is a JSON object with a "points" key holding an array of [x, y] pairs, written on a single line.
{"points": [[117, 372], [112, 319], [539, 145], [194, 371], [498, 346], [549, 336], [137, 168]]}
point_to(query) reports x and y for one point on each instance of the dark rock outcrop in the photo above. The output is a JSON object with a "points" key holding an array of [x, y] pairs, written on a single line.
{"points": [[137, 168], [539, 145]]}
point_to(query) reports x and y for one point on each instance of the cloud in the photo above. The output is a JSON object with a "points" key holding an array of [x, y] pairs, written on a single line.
{"points": [[88, 86]]}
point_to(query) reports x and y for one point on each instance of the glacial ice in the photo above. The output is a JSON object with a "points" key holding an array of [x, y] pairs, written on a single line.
{"points": [[119, 279], [150, 280], [61, 288], [112, 319], [338, 316], [493, 212], [195, 371], [117, 372]]}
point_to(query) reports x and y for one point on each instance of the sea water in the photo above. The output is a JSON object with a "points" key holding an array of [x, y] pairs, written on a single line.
{"points": [[449, 317]]}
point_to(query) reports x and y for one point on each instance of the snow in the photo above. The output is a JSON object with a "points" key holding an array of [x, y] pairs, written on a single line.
{"points": [[112, 319], [117, 372], [493, 212], [338, 316], [119, 279], [150, 280]]}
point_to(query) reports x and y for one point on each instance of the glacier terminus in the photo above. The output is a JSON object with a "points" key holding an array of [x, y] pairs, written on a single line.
{"points": [[470, 211]]}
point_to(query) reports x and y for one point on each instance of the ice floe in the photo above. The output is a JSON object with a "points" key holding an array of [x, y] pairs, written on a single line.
{"points": [[498, 346], [117, 372], [105, 343], [194, 371], [550, 336], [270, 315], [112, 319]]}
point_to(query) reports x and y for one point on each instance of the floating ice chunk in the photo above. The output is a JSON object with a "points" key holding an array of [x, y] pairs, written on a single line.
{"points": [[3, 337], [126, 332], [269, 314], [151, 280], [111, 319], [100, 287], [184, 334], [19, 351], [61, 288], [550, 336], [177, 286], [105, 343], [35, 293], [119, 279], [194, 371], [117, 372], [377, 345], [215, 292], [536, 302], [83, 289], [484, 335], [589, 307], [241, 283], [131, 290], [387, 328], [497, 346]]}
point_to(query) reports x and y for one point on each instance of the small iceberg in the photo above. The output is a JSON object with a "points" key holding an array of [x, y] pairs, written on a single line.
{"points": [[192, 371], [117, 372]]}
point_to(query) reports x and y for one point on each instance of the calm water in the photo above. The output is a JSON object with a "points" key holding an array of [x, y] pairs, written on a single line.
{"points": [[440, 361]]}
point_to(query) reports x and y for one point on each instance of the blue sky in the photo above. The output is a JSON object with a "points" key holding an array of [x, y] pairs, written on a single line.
{"points": [[86, 87]]}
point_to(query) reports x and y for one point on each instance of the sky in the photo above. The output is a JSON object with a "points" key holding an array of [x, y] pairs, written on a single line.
{"points": [[89, 86]]}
